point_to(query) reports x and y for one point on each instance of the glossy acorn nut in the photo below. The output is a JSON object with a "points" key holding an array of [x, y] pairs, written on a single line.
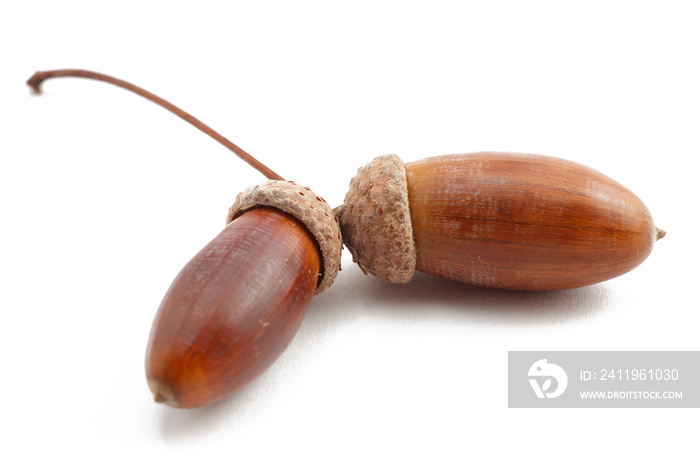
{"points": [[503, 220], [238, 303]]}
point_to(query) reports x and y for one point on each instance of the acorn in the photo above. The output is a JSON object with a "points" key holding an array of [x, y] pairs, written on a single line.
{"points": [[494, 219], [235, 307]]}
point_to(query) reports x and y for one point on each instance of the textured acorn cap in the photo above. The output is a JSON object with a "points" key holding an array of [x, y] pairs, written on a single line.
{"points": [[307, 207], [375, 220]]}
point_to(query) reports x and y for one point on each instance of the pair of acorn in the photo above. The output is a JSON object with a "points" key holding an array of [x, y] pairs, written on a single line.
{"points": [[503, 220]]}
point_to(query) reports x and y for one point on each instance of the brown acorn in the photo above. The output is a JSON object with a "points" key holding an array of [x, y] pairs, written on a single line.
{"points": [[491, 219], [238, 303], [232, 310], [495, 219], [235, 307]]}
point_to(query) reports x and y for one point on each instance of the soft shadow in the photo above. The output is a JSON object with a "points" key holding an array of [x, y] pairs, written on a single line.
{"points": [[178, 424], [426, 291], [426, 296]]}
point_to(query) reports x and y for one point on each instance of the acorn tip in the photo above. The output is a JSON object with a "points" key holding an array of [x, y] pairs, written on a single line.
{"points": [[162, 395]]}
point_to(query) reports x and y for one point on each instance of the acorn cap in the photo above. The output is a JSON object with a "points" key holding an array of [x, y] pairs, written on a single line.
{"points": [[307, 207], [375, 220]]}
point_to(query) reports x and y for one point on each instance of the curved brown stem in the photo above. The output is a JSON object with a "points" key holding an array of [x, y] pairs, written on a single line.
{"points": [[40, 76]]}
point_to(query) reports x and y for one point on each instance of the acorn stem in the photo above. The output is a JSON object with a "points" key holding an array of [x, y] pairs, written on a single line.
{"points": [[40, 76]]}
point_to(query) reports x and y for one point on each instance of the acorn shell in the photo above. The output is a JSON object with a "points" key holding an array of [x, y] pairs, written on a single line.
{"points": [[233, 309], [521, 221]]}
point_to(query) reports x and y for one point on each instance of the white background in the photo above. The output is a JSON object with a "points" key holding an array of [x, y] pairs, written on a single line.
{"points": [[105, 197]]}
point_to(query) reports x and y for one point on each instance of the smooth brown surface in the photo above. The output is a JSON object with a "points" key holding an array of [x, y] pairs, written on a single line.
{"points": [[524, 221], [233, 309]]}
